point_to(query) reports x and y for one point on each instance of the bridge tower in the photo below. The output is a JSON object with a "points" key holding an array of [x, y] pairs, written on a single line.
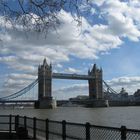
{"points": [[44, 86], [95, 85]]}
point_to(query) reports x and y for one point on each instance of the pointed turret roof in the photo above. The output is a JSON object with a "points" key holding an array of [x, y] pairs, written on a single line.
{"points": [[94, 67], [44, 62], [39, 66]]}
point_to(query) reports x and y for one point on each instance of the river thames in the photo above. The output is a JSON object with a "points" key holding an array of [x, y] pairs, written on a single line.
{"points": [[111, 116]]}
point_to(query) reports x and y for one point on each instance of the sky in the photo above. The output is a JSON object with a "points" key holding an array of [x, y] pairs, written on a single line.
{"points": [[109, 36]]}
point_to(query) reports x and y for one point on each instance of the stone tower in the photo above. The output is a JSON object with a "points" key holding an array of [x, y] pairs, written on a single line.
{"points": [[44, 86], [44, 80], [95, 85]]}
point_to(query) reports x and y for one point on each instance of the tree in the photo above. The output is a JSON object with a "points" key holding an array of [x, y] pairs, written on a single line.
{"points": [[38, 15]]}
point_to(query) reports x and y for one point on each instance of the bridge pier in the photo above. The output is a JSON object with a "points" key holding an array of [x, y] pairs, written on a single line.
{"points": [[45, 103]]}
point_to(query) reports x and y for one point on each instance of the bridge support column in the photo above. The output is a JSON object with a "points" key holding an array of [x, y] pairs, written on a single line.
{"points": [[96, 95], [45, 103], [95, 85], [45, 99]]}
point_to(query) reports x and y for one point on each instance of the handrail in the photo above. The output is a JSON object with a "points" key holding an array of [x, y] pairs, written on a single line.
{"points": [[63, 131]]}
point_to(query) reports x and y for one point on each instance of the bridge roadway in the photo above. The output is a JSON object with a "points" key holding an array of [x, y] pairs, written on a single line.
{"points": [[71, 76]]}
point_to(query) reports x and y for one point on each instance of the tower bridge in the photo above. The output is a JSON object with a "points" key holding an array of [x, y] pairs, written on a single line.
{"points": [[44, 83], [45, 76]]}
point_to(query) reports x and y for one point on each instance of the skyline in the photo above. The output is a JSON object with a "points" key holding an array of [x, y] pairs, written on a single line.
{"points": [[109, 36]]}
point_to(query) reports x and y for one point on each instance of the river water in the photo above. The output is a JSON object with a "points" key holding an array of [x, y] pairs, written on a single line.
{"points": [[111, 116]]}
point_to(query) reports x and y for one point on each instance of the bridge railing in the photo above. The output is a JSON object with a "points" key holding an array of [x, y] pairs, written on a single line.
{"points": [[7, 123], [51, 130]]}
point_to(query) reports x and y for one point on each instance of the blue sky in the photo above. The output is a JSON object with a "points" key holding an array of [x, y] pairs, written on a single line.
{"points": [[109, 36]]}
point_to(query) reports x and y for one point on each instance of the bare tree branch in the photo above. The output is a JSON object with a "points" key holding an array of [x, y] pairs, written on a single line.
{"points": [[38, 15]]}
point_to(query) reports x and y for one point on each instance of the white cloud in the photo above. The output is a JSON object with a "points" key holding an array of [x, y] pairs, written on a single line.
{"points": [[21, 76], [122, 17], [97, 2], [72, 70], [8, 59], [123, 26], [71, 91], [59, 65], [125, 80], [59, 45], [131, 84], [15, 82]]}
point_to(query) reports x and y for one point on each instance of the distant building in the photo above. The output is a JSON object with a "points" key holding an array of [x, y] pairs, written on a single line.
{"points": [[123, 93], [80, 97], [111, 96], [137, 94]]}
